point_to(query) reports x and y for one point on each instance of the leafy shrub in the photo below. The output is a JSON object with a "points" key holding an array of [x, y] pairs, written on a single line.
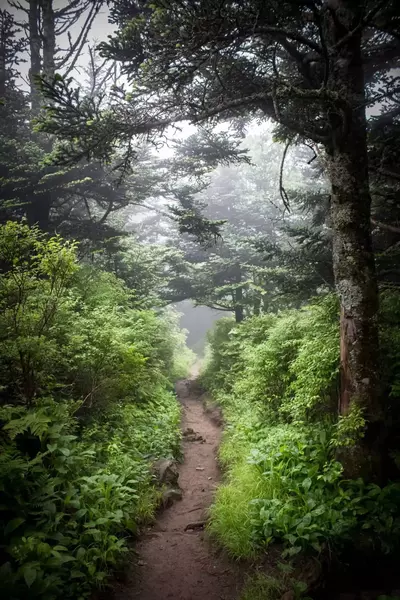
{"points": [[283, 482], [226, 343], [219, 362], [87, 405], [265, 587], [64, 510], [309, 505]]}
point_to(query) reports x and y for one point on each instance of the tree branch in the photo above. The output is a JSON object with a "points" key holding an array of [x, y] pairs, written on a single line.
{"points": [[363, 23], [392, 228], [386, 172]]}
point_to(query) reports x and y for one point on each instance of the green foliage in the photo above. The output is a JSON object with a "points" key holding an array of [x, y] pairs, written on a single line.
{"points": [[310, 506], [231, 516], [262, 587], [266, 587], [286, 363], [87, 406], [220, 362], [390, 341], [275, 378]]}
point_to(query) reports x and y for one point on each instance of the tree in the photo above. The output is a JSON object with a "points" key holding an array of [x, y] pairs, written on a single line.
{"points": [[31, 186], [78, 199], [313, 67], [259, 263]]}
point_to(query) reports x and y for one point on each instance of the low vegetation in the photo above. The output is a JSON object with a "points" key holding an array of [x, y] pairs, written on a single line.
{"points": [[87, 405], [276, 377]]}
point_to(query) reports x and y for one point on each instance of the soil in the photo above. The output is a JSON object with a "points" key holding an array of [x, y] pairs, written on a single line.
{"points": [[175, 558]]}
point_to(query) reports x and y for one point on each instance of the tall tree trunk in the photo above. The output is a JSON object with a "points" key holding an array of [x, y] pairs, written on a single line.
{"points": [[34, 45], [257, 299], [3, 50], [238, 296], [49, 39], [239, 313], [353, 260], [40, 12], [38, 211]]}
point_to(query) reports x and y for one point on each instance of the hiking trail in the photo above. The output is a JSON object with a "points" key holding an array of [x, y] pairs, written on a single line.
{"points": [[177, 562]]}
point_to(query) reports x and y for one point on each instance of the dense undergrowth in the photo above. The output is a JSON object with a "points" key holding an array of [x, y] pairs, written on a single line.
{"points": [[87, 404], [276, 378]]}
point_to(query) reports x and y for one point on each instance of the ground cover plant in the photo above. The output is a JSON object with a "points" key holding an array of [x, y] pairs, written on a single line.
{"points": [[276, 378], [87, 404]]}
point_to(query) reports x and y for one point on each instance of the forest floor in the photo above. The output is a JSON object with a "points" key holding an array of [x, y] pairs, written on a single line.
{"points": [[175, 561]]}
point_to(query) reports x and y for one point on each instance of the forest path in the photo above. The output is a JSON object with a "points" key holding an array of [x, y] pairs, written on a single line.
{"points": [[175, 563]]}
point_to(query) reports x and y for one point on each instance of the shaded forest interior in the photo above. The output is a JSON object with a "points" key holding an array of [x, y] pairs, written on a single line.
{"points": [[217, 182]]}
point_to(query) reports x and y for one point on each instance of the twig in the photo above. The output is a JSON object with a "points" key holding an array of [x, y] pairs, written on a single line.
{"points": [[195, 525], [186, 512]]}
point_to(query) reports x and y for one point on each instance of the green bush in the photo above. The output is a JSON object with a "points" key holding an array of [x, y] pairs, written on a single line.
{"points": [[86, 406], [279, 397], [224, 351], [309, 505]]}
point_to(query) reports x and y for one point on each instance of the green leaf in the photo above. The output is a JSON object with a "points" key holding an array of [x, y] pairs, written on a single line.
{"points": [[29, 573], [75, 574], [13, 524]]}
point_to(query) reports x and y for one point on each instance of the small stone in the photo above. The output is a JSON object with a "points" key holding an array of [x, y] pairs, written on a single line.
{"points": [[209, 478], [141, 563], [166, 471], [170, 495], [188, 431], [199, 468], [194, 437]]}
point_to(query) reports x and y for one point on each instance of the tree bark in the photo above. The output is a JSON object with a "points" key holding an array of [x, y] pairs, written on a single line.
{"points": [[353, 260], [34, 45], [38, 212], [49, 39], [3, 51], [238, 297], [239, 313]]}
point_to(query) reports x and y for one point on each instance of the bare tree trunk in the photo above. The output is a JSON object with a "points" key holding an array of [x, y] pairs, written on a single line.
{"points": [[3, 50], [38, 212], [42, 44], [49, 39], [34, 45], [353, 260], [238, 297]]}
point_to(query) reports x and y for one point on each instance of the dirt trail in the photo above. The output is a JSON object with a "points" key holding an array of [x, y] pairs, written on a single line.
{"points": [[174, 563]]}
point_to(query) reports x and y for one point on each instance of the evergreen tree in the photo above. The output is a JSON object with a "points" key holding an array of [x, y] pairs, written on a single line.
{"points": [[313, 67]]}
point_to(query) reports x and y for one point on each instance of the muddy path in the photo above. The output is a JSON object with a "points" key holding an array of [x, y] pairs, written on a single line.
{"points": [[176, 563]]}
